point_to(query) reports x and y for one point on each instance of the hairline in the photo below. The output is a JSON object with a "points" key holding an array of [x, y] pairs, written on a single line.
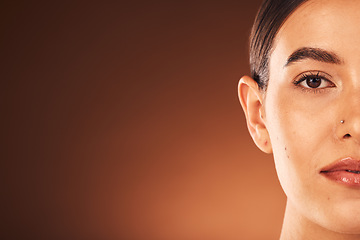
{"points": [[258, 69]]}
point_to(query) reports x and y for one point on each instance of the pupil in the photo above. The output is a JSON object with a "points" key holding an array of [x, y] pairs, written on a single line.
{"points": [[313, 82]]}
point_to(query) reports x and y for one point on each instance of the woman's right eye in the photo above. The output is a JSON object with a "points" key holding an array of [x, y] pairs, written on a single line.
{"points": [[314, 81]]}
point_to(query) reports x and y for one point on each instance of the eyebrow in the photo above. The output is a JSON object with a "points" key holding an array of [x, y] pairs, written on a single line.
{"points": [[316, 54]]}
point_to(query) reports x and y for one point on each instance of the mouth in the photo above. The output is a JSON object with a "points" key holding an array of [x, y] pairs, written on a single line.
{"points": [[344, 171]]}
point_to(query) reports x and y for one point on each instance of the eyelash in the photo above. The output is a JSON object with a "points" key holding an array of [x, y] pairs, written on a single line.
{"points": [[309, 75]]}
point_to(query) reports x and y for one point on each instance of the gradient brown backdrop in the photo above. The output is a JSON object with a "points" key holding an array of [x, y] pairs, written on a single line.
{"points": [[121, 121]]}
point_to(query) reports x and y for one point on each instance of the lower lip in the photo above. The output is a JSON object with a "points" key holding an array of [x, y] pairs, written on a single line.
{"points": [[344, 177]]}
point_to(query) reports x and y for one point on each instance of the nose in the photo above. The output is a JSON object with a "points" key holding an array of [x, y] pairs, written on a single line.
{"points": [[349, 124]]}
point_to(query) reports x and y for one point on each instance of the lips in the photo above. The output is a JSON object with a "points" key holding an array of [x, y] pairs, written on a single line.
{"points": [[345, 171]]}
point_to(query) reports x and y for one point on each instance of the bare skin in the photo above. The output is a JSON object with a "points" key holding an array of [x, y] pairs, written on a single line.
{"points": [[301, 123]]}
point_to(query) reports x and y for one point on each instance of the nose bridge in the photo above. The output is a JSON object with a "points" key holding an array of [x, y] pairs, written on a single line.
{"points": [[352, 101]]}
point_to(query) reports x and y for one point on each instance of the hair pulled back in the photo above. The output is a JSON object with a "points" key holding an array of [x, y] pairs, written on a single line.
{"points": [[271, 16]]}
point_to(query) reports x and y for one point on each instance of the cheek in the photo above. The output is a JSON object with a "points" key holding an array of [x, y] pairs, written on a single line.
{"points": [[301, 132], [304, 140]]}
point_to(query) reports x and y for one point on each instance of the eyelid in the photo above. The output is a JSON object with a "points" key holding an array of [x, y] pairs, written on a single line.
{"points": [[313, 73]]}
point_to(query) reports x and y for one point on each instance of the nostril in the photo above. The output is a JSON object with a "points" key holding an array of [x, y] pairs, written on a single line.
{"points": [[347, 136]]}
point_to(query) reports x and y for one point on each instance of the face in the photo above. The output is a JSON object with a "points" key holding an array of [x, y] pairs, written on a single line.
{"points": [[307, 97]]}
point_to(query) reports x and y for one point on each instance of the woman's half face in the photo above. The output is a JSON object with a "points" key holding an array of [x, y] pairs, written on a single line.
{"points": [[314, 84]]}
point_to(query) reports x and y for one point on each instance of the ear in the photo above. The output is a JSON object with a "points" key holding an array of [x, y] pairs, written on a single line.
{"points": [[251, 100]]}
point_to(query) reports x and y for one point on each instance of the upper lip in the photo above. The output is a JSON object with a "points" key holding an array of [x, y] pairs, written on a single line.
{"points": [[349, 164]]}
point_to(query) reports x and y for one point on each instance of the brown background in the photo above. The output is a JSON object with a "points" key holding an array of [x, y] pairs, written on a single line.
{"points": [[121, 121]]}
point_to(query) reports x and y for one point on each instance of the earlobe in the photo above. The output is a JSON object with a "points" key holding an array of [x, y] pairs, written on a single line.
{"points": [[251, 101]]}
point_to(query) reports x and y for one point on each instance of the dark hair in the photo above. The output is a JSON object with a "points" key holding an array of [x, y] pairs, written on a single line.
{"points": [[271, 16]]}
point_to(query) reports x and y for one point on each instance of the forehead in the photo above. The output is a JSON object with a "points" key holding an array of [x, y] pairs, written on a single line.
{"points": [[327, 24]]}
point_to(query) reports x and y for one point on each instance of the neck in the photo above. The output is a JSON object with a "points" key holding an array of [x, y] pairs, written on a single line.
{"points": [[298, 227]]}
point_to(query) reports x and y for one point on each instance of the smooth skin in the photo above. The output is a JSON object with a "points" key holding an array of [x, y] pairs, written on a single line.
{"points": [[301, 125]]}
